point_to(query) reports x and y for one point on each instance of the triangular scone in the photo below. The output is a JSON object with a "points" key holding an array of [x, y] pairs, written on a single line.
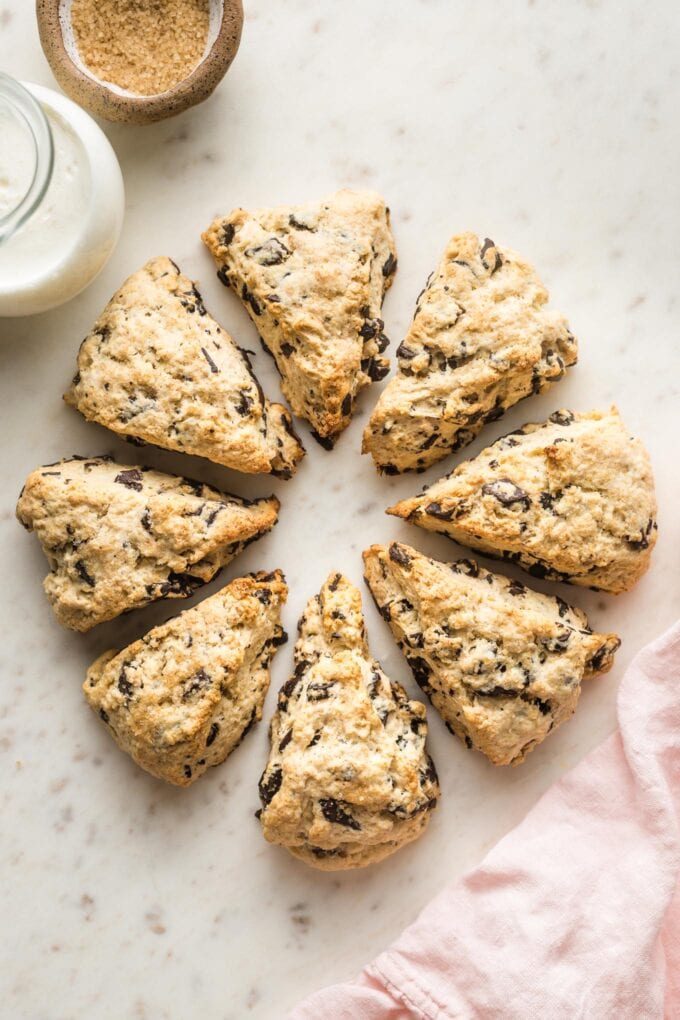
{"points": [[501, 663], [156, 367], [313, 278], [182, 698], [118, 537], [348, 779], [571, 499], [481, 339]]}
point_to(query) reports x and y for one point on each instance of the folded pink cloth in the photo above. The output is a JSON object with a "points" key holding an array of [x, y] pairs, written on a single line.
{"points": [[576, 912]]}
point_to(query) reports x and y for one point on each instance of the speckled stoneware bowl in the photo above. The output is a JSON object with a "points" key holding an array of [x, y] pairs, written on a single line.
{"points": [[113, 103]]}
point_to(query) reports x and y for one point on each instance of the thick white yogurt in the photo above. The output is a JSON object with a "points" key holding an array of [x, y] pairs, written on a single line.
{"points": [[69, 237]]}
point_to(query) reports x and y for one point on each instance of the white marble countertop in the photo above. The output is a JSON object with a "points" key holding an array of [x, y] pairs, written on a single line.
{"points": [[548, 126]]}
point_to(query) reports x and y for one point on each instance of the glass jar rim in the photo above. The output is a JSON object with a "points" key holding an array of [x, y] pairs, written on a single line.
{"points": [[31, 114]]}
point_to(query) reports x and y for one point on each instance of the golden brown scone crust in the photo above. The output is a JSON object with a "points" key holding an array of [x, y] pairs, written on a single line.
{"points": [[313, 278], [119, 536], [156, 367], [502, 664], [348, 779], [180, 700], [481, 339], [571, 499]]}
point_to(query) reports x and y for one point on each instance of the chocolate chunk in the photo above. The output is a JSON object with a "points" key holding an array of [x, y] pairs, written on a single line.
{"points": [[180, 584], [213, 367], [333, 811], [271, 252], [270, 785], [245, 402], [516, 588], [498, 261], [285, 741], [131, 479], [405, 352], [187, 771], [561, 417], [146, 521], [124, 685], [320, 852], [228, 232], [421, 672], [643, 541], [398, 555], [333, 586], [299, 225], [506, 492], [430, 773], [103, 715], [223, 276], [81, 570], [251, 300], [263, 595], [214, 730], [435, 510], [328, 442], [287, 349], [197, 682], [320, 691], [389, 266], [346, 406], [468, 567]]}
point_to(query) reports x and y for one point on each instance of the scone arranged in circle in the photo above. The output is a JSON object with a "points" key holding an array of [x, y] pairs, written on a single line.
{"points": [[502, 664], [157, 368], [118, 537], [571, 499], [348, 779], [313, 277], [481, 339], [181, 699]]}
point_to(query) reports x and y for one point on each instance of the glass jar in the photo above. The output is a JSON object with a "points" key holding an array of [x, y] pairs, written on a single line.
{"points": [[61, 198]]}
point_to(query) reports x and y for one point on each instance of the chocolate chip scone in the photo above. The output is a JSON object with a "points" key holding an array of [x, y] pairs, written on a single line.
{"points": [[481, 340], [571, 499], [118, 537], [157, 368], [313, 278], [183, 697], [348, 779], [502, 664]]}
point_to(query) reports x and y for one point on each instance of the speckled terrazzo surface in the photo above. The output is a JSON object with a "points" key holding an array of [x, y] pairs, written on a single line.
{"points": [[547, 126]]}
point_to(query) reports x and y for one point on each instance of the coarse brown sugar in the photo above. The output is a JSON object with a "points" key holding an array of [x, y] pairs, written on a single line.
{"points": [[143, 46]]}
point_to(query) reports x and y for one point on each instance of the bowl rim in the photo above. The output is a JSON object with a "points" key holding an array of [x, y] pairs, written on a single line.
{"points": [[198, 84]]}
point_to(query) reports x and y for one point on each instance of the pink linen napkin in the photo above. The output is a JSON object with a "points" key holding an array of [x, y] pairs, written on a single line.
{"points": [[576, 912]]}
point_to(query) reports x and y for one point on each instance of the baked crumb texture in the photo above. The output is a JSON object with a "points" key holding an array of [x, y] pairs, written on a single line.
{"points": [[571, 499], [502, 664], [157, 368], [348, 779], [118, 536], [481, 340], [183, 697], [143, 46], [312, 278]]}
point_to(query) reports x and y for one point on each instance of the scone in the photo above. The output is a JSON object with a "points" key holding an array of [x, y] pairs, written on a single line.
{"points": [[348, 779], [481, 339], [501, 663], [182, 698], [118, 537], [571, 499], [157, 368], [313, 277]]}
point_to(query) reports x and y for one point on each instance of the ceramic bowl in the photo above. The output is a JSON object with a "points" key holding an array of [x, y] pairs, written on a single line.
{"points": [[113, 103]]}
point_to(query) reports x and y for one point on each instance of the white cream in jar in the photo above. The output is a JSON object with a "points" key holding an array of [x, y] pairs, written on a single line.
{"points": [[61, 199]]}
